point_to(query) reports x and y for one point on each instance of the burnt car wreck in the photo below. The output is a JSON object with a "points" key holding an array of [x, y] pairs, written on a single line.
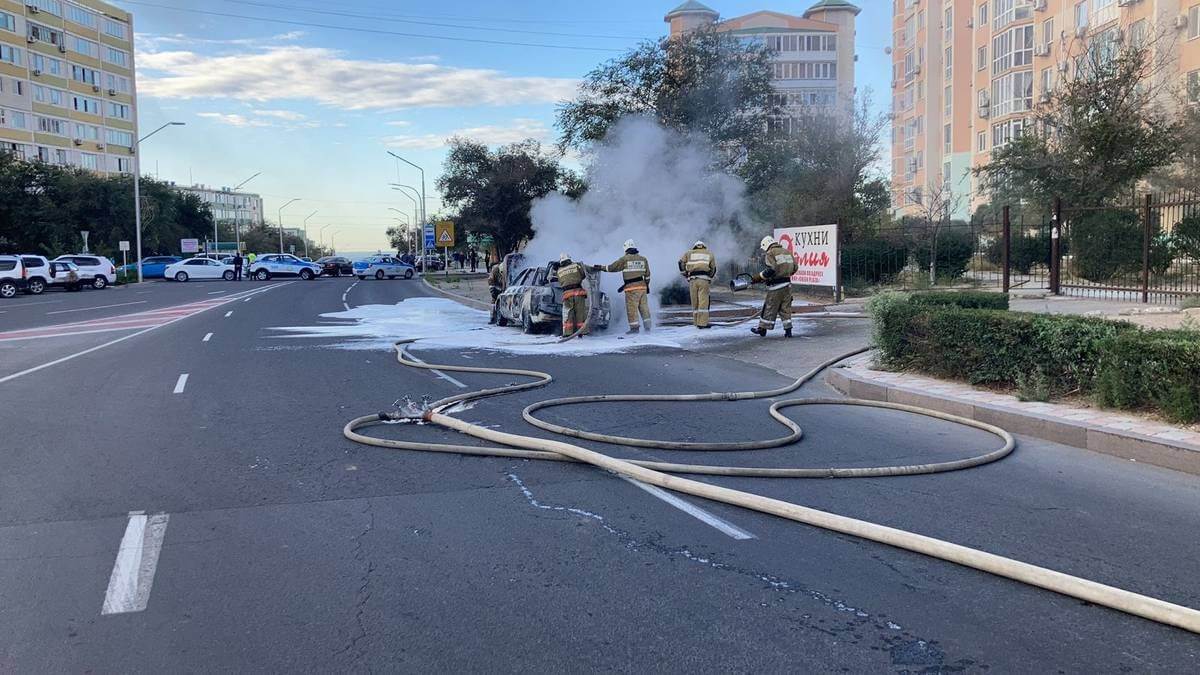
{"points": [[533, 298]]}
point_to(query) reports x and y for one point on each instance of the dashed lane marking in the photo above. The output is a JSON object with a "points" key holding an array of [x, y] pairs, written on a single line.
{"points": [[88, 309], [440, 374], [207, 337], [137, 559], [694, 511], [228, 314], [181, 383]]}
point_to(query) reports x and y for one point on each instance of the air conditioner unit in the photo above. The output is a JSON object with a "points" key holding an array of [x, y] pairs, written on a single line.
{"points": [[78, 141], [970, 23], [1064, 66], [62, 48], [1125, 3], [1181, 21], [99, 146], [31, 40], [1081, 31], [96, 88], [916, 70], [33, 9], [1039, 5], [1041, 50], [985, 111], [112, 92], [37, 72]]}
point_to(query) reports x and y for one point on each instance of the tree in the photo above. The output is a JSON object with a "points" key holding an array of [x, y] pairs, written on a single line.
{"points": [[492, 191], [1102, 131], [934, 207], [704, 82]]}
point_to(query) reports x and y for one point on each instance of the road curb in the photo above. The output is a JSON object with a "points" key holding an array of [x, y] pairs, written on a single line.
{"points": [[1123, 444], [471, 302]]}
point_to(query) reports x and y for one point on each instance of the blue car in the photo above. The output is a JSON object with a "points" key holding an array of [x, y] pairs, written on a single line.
{"points": [[152, 267], [283, 265]]}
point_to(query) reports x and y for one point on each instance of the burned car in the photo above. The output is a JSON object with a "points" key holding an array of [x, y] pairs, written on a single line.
{"points": [[533, 299]]}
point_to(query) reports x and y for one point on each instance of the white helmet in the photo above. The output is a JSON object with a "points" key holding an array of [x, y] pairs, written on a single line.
{"points": [[629, 244], [699, 244], [564, 257], [766, 242]]}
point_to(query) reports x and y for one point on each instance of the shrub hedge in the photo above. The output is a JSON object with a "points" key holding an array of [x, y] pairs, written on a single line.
{"points": [[967, 299], [1119, 364]]}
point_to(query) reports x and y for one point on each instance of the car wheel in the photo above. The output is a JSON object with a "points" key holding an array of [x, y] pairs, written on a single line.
{"points": [[379, 275], [408, 274], [527, 325], [7, 289], [262, 275], [181, 276], [228, 275], [99, 282], [306, 275], [36, 287]]}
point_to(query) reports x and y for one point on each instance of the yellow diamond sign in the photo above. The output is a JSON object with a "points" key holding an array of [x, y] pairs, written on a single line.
{"points": [[443, 233]]}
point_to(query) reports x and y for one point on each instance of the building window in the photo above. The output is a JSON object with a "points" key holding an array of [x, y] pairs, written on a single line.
{"points": [[116, 57], [946, 137], [921, 20], [87, 132], [10, 55], [1137, 32], [87, 105], [45, 64], [8, 22], [122, 164], [947, 101], [1012, 49], [1194, 22], [85, 75], [118, 110], [85, 47], [49, 125], [949, 24], [949, 63], [1005, 12], [81, 16], [1047, 81], [1012, 93], [52, 6], [982, 15], [117, 83], [1005, 132], [116, 29], [13, 119], [89, 161], [981, 59], [1048, 33], [45, 34], [1081, 15], [116, 137], [1193, 87], [804, 70], [981, 141], [49, 96]]}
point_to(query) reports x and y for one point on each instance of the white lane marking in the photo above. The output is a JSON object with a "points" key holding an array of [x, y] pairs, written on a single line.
{"points": [[228, 314], [218, 292], [55, 362], [181, 383], [694, 511], [88, 309], [207, 337], [133, 572], [35, 304], [248, 299], [440, 374]]}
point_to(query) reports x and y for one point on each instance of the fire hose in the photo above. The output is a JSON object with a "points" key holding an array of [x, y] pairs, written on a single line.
{"points": [[661, 473]]}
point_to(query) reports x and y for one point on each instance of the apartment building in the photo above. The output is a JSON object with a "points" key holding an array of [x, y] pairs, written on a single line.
{"points": [[242, 208], [813, 62], [968, 73], [67, 89]]}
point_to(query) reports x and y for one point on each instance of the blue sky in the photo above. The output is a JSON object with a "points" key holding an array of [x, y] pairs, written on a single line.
{"points": [[314, 108]]}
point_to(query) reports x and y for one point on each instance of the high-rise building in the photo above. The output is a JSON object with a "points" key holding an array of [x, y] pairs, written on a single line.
{"points": [[67, 89], [241, 208], [967, 74], [813, 61]]}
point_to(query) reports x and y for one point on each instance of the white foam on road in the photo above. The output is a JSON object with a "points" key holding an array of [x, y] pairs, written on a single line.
{"points": [[445, 324]]}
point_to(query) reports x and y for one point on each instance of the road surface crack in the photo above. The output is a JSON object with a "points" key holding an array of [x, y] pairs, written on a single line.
{"points": [[364, 588]]}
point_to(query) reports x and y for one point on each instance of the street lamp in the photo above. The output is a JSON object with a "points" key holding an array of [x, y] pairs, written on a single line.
{"points": [[281, 222], [239, 186], [237, 223], [322, 233], [306, 233], [424, 218], [332, 238], [137, 190], [419, 226]]}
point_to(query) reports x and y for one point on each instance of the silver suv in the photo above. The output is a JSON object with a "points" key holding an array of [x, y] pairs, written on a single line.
{"points": [[94, 269], [12, 276]]}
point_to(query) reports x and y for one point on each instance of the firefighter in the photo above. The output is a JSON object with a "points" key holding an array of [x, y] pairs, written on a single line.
{"points": [[778, 267], [699, 267], [575, 298], [497, 281], [635, 272]]}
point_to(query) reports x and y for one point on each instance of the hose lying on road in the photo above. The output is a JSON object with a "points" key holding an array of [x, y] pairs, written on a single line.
{"points": [[660, 473]]}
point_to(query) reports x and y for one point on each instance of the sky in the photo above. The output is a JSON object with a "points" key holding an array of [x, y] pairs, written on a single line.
{"points": [[312, 95]]}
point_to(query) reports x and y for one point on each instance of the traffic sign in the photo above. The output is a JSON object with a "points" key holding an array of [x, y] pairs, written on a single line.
{"points": [[445, 233], [189, 245], [429, 238], [123, 245]]}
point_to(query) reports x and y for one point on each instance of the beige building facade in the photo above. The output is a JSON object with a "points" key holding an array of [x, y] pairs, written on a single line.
{"points": [[967, 74], [67, 86], [228, 205], [813, 62]]}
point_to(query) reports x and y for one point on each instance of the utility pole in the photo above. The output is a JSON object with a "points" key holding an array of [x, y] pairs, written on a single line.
{"points": [[281, 222], [306, 233], [137, 190]]}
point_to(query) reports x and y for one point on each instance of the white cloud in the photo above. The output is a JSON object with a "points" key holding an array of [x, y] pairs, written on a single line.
{"points": [[151, 42], [287, 119], [328, 77], [399, 123], [519, 130], [281, 114], [235, 120]]}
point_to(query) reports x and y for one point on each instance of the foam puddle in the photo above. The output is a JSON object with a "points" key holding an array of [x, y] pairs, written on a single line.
{"points": [[445, 324]]}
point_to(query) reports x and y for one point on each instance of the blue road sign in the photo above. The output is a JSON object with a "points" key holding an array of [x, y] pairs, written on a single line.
{"points": [[429, 241]]}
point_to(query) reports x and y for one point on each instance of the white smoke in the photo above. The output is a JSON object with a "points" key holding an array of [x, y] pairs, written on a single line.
{"points": [[654, 186]]}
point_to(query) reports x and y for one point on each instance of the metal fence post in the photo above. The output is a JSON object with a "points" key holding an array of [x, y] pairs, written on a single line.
{"points": [[1055, 249], [1146, 229], [1007, 248]]}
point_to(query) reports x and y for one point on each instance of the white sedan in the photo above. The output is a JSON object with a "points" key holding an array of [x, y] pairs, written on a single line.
{"points": [[199, 268]]}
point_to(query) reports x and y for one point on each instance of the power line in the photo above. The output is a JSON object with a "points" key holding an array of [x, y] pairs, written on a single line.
{"points": [[373, 31], [500, 19], [397, 19]]}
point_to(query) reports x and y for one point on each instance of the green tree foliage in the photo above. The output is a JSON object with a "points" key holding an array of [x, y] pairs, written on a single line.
{"points": [[491, 191], [1100, 134], [44, 207], [264, 238], [704, 82]]}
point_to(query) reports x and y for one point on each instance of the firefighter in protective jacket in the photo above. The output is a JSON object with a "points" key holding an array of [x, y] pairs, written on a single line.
{"points": [[778, 267], [571, 276], [497, 281], [635, 273], [699, 266]]}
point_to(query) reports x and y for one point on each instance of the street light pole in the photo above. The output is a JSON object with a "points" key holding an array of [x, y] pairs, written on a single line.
{"points": [[237, 224], [418, 228], [322, 233], [306, 255], [424, 216], [407, 225], [332, 239], [281, 222], [137, 190]]}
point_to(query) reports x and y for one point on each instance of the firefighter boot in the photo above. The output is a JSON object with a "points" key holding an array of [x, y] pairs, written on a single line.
{"points": [[761, 332], [787, 332], [633, 330]]}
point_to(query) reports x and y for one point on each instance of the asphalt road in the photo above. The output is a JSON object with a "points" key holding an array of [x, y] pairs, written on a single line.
{"points": [[288, 548]]}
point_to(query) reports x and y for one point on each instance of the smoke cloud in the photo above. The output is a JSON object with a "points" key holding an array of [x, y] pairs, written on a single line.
{"points": [[654, 186]]}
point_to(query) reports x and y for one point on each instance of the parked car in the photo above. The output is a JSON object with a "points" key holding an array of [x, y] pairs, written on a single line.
{"points": [[283, 265], [37, 273], [66, 275], [12, 276], [96, 270], [533, 298], [335, 266], [380, 266], [199, 268], [152, 267], [430, 263]]}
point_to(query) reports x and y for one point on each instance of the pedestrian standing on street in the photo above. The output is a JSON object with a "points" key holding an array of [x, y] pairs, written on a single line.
{"points": [[699, 267], [251, 257], [778, 267], [575, 298], [497, 282], [237, 266], [474, 260], [635, 272]]}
